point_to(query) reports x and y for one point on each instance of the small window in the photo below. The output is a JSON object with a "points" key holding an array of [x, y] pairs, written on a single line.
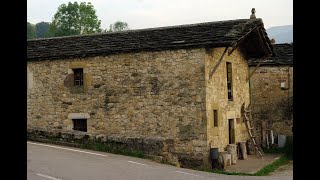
{"points": [[238, 120], [78, 77], [215, 118], [80, 124], [229, 81]]}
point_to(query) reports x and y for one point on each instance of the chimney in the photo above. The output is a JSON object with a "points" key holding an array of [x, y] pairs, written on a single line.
{"points": [[253, 13], [273, 41]]}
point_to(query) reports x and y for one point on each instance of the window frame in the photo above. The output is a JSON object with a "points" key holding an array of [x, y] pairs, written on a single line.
{"points": [[78, 77], [229, 81]]}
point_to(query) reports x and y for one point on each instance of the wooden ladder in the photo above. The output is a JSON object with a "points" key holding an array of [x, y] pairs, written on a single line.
{"points": [[246, 113]]}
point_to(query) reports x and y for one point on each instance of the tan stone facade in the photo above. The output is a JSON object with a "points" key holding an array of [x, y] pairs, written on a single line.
{"points": [[216, 97], [271, 102], [164, 94]]}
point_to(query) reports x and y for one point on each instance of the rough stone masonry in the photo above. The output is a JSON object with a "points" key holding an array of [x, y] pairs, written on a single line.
{"points": [[148, 90], [157, 94]]}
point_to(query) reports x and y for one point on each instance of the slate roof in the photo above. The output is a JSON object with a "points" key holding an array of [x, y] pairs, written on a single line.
{"points": [[209, 34], [283, 55]]}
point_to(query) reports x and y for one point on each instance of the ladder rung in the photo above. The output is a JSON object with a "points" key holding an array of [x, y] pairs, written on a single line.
{"points": [[248, 118]]}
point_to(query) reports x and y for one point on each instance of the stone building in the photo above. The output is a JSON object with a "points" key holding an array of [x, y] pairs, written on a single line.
{"points": [[271, 89], [172, 92]]}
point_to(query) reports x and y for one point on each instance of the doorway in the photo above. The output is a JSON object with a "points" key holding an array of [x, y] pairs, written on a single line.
{"points": [[231, 131]]}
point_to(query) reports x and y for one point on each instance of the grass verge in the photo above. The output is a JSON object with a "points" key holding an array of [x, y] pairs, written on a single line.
{"points": [[273, 166], [96, 146]]}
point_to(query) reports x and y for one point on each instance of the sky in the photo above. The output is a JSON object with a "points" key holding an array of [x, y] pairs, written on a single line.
{"points": [[141, 14]]}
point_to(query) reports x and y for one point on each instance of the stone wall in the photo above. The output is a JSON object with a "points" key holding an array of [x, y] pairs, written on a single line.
{"points": [[217, 97], [271, 103], [157, 148], [147, 95]]}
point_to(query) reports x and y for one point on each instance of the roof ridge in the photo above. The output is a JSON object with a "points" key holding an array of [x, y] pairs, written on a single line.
{"points": [[241, 27], [205, 34], [143, 29]]}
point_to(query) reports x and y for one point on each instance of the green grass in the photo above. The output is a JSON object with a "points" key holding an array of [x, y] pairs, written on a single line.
{"points": [[93, 145], [98, 146], [228, 173], [272, 167]]}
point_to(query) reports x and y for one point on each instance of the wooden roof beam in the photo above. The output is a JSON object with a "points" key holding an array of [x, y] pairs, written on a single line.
{"points": [[260, 39], [265, 40], [239, 41], [218, 63], [258, 65]]}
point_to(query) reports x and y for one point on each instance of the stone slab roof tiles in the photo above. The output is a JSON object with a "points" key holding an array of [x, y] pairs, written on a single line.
{"points": [[210, 34], [283, 55]]}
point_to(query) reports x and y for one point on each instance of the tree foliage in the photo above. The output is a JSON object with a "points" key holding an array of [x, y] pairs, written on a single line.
{"points": [[42, 29], [31, 32], [75, 19], [118, 26]]}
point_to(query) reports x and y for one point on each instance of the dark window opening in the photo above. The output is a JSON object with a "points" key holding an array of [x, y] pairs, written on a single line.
{"points": [[215, 118], [229, 81], [231, 131], [80, 124], [78, 77]]}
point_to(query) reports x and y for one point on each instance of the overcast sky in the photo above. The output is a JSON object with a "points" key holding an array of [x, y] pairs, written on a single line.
{"points": [[155, 13]]}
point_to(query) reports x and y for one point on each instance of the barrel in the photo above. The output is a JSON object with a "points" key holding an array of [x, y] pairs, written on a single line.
{"points": [[214, 153]]}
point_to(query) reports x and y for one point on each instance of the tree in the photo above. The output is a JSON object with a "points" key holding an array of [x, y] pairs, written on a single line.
{"points": [[42, 29], [118, 26], [75, 19], [31, 32]]}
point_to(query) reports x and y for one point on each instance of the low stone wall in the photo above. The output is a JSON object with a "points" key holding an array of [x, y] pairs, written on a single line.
{"points": [[156, 148]]}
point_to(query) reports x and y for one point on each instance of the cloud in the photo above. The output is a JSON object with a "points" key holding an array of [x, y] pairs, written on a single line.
{"points": [[155, 13]]}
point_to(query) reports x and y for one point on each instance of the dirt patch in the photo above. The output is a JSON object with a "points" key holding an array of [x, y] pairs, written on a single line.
{"points": [[253, 164]]}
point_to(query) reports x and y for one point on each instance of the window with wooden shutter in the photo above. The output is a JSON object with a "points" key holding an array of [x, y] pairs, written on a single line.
{"points": [[78, 77], [80, 124]]}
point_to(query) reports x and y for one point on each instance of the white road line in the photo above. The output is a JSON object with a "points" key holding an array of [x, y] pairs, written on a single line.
{"points": [[185, 173], [138, 163], [68, 149], [46, 176]]}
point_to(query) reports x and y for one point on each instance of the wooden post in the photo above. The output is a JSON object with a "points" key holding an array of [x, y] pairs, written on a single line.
{"points": [[267, 138], [250, 148], [243, 150], [272, 139], [264, 127]]}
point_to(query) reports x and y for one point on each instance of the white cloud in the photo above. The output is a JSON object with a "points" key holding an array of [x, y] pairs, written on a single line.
{"points": [[155, 13]]}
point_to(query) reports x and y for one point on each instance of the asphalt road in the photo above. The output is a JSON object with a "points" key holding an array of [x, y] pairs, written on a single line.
{"points": [[46, 161]]}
